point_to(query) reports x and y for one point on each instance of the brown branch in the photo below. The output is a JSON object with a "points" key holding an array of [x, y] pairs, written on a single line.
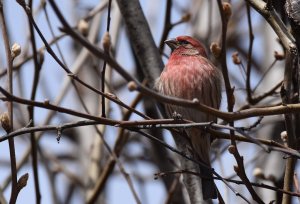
{"points": [[95, 193], [44, 128], [265, 74], [287, 93], [33, 141], [238, 115], [26, 58], [66, 69], [172, 190], [137, 124], [110, 163], [185, 171], [249, 55], [221, 135], [240, 170], [260, 185], [258, 98], [173, 100], [275, 22], [141, 39], [106, 46], [189, 158], [101, 6], [167, 25], [14, 189], [168, 124], [48, 105], [76, 67]]}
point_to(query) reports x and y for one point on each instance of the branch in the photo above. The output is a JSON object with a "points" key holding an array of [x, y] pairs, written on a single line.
{"points": [[48, 105], [34, 144], [141, 39], [167, 99], [249, 55], [240, 170], [14, 189], [275, 22]]}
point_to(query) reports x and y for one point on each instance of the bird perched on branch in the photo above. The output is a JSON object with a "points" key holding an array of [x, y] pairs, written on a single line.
{"points": [[190, 75]]}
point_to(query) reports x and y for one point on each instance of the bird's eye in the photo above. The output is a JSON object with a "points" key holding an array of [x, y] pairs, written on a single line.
{"points": [[184, 42]]}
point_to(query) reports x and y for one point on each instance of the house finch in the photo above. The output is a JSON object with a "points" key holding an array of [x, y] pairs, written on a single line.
{"points": [[189, 75]]}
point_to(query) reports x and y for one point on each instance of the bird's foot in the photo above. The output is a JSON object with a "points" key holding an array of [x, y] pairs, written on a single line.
{"points": [[176, 116]]}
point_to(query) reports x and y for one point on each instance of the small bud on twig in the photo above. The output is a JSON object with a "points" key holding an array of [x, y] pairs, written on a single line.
{"points": [[132, 86], [195, 100], [232, 149], [278, 56], [215, 49], [5, 122], [46, 102], [15, 50], [106, 42], [186, 17], [258, 173], [83, 27], [235, 58], [22, 182], [284, 136], [232, 98], [112, 96], [227, 10], [236, 169], [42, 56]]}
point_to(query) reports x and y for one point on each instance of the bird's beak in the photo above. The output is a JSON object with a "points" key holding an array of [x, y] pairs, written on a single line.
{"points": [[172, 43]]}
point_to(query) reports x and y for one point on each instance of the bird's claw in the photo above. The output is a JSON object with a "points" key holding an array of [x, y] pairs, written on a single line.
{"points": [[176, 116]]}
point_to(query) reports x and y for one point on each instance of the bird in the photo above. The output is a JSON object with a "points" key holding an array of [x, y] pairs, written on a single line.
{"points": [[189, 74]]}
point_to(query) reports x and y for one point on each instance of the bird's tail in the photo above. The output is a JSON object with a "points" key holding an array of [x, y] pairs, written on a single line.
{"points": [[208, 186], [201, 145]]}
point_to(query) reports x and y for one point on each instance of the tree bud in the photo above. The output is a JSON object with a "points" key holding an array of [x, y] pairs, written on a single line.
{"points": [[278, 56], [231, 149], [235, 58], [236, 169], [83, 27], [215, 49], [186, 17], [227, 10], [258, 173], [284, 136], [5, 122], [132, 86], [15, 50], [106, 42]]}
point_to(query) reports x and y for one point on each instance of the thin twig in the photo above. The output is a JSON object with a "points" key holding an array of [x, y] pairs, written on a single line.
{"points": [[191, 159], [240, 170], [260, 185], [167, 25], [275, 22], [249, 55], [104, 63], [265, 74], [110, 164], [67, 70], [33, 141], [14, 188]]}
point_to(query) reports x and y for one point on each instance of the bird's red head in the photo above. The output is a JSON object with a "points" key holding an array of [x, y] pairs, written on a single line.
{"points": [[186, 45]]}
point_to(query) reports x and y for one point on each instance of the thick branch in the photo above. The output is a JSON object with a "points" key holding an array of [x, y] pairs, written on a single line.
{"points": [[141, 39]]}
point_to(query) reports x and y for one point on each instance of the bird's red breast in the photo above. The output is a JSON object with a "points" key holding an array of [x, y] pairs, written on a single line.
{"points": [[189, 77]]}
